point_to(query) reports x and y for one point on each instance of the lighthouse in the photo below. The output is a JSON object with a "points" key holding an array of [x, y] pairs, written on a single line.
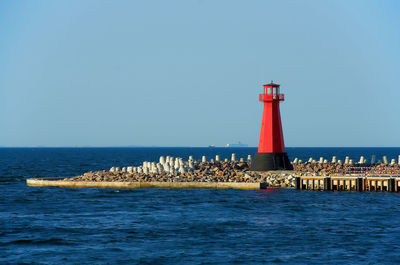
{"points": [[271, 153]]}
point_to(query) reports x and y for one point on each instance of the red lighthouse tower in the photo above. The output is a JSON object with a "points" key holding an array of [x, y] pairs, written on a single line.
{"points": [[271, 153]]}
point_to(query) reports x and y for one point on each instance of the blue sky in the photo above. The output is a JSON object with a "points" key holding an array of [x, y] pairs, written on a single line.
{"points": [[188, 73]]}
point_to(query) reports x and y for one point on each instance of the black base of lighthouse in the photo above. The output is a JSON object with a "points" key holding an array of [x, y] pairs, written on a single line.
{"points": [[271, 161]]}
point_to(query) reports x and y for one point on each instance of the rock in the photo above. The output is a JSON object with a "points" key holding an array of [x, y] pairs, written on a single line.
{"points": [[229, 171]]}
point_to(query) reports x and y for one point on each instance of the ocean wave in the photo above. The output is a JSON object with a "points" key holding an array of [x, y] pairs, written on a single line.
{"points": [[50, 241], [12, 178]]}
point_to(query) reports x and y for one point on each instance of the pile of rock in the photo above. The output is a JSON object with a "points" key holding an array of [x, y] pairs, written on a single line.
{"points": [[318, 169], [170, 169], [322, 167]]}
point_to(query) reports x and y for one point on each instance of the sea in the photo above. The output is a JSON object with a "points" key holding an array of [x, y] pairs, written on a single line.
{"points": [[50, 225]]}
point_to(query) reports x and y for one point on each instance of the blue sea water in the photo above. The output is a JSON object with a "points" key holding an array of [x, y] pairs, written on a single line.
{"points": [[52, 225]]}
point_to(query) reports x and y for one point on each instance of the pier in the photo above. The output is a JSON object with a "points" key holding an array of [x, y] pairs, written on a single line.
{"points": [[321, 175], [235, 173], [349, 183]]}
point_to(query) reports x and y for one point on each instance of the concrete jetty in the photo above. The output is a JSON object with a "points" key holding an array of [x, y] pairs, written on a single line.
{"points": [[175, 172], [37, 182], [170, 172]]}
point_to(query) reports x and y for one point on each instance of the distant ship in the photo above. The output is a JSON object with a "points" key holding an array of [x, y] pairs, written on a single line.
{"points": [[238, 144]]}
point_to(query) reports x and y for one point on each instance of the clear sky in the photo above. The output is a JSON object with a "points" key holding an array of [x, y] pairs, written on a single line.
{"points": [[188, 73]]}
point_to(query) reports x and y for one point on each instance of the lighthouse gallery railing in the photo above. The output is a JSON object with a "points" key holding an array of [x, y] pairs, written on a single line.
{"points": [[270, 97]]}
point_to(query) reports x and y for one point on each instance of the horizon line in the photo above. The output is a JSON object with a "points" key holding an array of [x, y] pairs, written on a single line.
{"points": [[211, 147]]}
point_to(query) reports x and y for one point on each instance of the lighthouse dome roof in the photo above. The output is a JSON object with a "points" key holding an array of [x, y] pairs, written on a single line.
{"points": [[272, 84]]}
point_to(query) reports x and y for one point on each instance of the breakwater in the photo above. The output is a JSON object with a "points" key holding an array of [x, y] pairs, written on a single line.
{"points": [[170, 172]]}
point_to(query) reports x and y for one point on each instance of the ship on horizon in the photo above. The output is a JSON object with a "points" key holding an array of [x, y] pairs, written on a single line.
{"points": [[238, 144]]}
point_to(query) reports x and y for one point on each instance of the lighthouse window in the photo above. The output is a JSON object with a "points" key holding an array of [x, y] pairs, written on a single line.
{"points": [[269, 91], [275, 91]]}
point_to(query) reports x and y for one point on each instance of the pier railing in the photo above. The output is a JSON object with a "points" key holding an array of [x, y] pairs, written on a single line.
{"points": [[371, 171]]}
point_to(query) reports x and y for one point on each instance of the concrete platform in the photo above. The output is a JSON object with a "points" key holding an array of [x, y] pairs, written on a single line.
{"points": [[57, 182]]}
